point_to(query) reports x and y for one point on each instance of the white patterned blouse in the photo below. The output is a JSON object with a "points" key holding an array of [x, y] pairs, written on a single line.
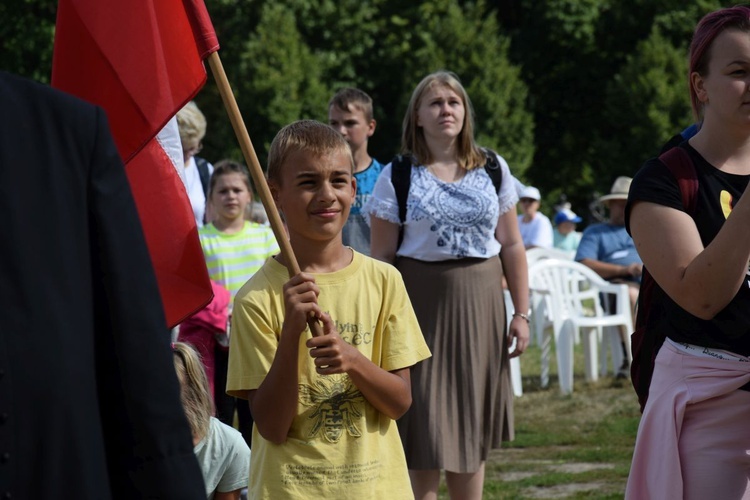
{"points": [[446, 220]]}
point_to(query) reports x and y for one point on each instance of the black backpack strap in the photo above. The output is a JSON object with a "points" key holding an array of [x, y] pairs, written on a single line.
{"points": [[202, 165], [401, 180], [492, 166]]}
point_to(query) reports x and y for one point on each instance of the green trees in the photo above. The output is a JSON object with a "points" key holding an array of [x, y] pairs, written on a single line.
{"points": [[571, 92], [276, 80], [468, 41], [607, 82], [285, 59], [296, 54], [644, 104], [26, 31], [647, 101]]}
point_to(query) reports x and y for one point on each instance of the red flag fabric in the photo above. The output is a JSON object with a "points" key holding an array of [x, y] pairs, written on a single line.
{"points": [[142, 61]]}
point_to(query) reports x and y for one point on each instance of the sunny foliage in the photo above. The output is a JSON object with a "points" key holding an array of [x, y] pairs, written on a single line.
{"points": [[571, 92]]}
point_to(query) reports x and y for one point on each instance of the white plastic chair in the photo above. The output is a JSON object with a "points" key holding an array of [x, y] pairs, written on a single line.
{"points": [[538, 253], [540, 319], [570, 292], [515, 363]]}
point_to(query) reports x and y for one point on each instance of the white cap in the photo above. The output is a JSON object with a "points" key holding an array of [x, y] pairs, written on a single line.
{"points": [[531, 192]]}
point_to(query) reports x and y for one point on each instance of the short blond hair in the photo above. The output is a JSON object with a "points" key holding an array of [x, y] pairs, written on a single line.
{"points": [[310, 136], [192, 125]]}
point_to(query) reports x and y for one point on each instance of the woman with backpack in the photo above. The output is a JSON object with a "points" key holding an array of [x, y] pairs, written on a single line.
{"points": [[457, 222], [688, 212]]}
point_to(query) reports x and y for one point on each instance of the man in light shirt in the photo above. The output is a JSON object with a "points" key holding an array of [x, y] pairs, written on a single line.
{"points": [[609, 250], [535, 227]]}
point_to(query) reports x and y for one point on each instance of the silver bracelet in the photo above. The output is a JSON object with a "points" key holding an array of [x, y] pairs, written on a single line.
{"points": [[522, 315]]}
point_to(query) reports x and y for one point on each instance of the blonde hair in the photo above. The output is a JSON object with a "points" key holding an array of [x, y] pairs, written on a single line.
{"points": [[468, 154], [194, 392], [192, 125], [310, 136]]}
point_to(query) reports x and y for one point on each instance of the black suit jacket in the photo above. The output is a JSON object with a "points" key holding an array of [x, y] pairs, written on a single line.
{"points": [[89, 400]]}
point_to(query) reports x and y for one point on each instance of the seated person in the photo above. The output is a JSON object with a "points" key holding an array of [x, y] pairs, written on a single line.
{"points": [[609, 250], [222, 453], [535, 227], [565, 237]]}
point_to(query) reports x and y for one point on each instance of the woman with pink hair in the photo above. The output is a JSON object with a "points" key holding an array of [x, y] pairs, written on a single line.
{"points": [[694, 438]]}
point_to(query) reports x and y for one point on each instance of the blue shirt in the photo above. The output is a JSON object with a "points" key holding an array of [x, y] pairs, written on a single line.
{"points": [[356, 232], [608, 243], [365, 184]]}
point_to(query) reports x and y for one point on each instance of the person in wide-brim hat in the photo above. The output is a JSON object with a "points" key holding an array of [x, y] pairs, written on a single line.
{"points": [[619, 190], [608, 249]]}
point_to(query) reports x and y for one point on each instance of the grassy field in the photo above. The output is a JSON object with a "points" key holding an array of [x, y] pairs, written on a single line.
{"points": [[575, 446]]}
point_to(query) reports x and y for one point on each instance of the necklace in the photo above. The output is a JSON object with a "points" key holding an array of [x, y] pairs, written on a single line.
{"points": [[445, 175]]}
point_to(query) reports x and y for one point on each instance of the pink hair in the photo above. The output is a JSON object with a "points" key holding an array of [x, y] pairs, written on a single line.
{"points": [[708, 29]]}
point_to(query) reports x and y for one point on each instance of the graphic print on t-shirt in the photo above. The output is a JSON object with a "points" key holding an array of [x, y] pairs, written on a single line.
{"points": [[726, 203], [337, 405], [725, 198]]}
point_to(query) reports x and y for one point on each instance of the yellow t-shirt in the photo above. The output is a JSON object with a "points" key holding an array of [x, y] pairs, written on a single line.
{"points": [[339, 445]]}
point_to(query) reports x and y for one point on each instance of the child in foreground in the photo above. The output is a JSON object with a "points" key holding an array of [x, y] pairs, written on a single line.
{"points": [[324, 407]]}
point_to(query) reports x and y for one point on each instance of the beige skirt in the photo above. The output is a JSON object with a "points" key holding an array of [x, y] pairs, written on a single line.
{"points": [[462, 395]]}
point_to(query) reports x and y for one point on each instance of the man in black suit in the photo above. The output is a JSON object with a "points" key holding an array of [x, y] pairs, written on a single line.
{"points": [[89, 400]]}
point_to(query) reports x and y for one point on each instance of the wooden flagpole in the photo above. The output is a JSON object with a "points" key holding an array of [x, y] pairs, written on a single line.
{"points": [[248, 151]]}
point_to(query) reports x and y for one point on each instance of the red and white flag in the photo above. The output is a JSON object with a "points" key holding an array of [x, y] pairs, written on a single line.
{"points": [[142, 61]]}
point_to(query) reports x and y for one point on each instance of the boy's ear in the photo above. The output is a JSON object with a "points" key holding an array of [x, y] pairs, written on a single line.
{"points": [[371, 128], [274, 193], [354, 187]]}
